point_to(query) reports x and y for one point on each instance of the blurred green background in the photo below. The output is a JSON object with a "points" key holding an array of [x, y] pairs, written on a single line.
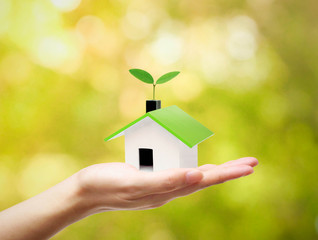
{"points": [[248, 72]]}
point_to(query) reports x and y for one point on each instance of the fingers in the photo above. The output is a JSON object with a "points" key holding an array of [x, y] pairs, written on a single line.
{"points": [[206, 167], [173, 179], [222, 174], [242, 161], [250, 161], [211, 177], [167, 181], [157, 188], [193, 176]]}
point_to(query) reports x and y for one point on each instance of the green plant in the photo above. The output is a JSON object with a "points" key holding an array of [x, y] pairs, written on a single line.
{"points": [[146, 77]]}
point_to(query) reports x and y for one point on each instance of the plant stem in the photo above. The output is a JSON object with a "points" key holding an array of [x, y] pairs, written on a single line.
{"points": [[154, 92]]}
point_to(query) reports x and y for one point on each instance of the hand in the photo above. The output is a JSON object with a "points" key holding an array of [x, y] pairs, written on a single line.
{"points": [[106, 187], [120, 186]]}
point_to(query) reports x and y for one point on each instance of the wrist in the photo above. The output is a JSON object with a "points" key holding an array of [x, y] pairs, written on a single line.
{"points": [[90, 195], [78, 203]]}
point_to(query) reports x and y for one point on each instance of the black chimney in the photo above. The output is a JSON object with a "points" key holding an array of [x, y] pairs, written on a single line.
{"points": [[152, 105]]}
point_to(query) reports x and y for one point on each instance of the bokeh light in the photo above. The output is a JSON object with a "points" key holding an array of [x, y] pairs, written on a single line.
{"points": [[43, 171], [59, 52], [136, 25], [66, 5], [167, 48], [5, 8], [241, 43]]}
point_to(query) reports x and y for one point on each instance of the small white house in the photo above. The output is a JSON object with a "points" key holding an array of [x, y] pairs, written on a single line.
{"points": [[162, 139]]}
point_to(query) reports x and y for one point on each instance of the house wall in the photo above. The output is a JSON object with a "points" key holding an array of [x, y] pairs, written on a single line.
{"points": [[188, 156], [167, 149]]}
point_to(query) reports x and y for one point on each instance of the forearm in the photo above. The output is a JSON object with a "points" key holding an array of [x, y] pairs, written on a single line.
{"points": [[44, 215]]}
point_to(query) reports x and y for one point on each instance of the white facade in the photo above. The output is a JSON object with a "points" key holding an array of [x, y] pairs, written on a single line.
{"points": [[168, 150]]}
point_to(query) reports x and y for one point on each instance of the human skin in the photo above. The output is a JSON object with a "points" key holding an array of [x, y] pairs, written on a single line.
{"points": [[109, 187]]}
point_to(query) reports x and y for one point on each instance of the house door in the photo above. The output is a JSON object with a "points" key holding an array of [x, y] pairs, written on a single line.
{"points": [[146, 159]]}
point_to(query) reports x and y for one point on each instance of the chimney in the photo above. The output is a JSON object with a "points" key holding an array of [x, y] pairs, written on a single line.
{"points": [[152, 105]]}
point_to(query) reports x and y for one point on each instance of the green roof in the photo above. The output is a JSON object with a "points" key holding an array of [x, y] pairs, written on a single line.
{"points": [[177, 122]]}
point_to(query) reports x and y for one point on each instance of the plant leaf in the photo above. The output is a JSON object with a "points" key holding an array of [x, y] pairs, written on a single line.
{"points": [[142, 75], [167, 77]]}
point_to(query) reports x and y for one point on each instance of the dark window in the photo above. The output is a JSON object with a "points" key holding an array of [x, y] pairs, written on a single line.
{"points": [[146, 158]]}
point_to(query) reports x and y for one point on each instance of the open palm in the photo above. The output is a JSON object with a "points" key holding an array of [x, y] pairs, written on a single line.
{"points": [[119, 186]]}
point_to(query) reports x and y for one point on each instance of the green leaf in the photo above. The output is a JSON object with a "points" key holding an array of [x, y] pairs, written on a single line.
{"points": [[167, 77], [142, 75]]}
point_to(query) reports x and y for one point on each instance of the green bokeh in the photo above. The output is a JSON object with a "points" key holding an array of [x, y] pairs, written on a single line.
{"points": [[248, 72]]}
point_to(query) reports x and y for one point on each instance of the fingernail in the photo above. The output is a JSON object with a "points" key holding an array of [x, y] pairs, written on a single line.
{"points": [[193, 176]]}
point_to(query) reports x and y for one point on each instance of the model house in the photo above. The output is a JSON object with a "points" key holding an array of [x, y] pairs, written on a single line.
{"points": [[163, 138]]}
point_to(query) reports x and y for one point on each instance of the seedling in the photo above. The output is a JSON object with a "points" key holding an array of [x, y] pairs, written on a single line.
{"points": [[146, 77]]}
